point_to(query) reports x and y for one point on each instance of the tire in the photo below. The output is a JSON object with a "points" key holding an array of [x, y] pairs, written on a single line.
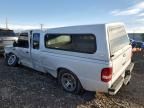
{"points": [[11, 60], [69, 82]]}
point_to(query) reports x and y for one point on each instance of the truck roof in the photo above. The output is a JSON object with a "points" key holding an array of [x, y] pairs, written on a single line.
{"points": [[81, 28], [91, 28]]}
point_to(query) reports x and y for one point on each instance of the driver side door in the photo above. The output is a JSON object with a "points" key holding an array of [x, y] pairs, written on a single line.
{"points": [[23, 49]]}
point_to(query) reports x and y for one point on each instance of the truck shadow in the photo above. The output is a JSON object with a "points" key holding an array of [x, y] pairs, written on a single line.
{"points": [[85, 95]]}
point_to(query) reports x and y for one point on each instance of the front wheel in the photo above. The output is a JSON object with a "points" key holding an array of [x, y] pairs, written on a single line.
{"points": [[11, 60]]}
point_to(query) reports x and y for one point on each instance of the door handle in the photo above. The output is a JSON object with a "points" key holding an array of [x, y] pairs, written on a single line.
{"points": [[27, 52]]}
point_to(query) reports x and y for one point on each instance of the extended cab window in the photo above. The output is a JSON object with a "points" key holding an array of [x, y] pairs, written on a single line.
{"points": [[23, 40], [84, 43], [36, 40], [118, 38]]}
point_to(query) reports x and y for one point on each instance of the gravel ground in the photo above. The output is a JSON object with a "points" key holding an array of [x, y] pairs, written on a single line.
{"points": [[21, 87]]}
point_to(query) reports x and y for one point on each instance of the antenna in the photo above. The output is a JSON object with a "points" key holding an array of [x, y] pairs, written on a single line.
{"points": [[41, 26], [6, 23]]}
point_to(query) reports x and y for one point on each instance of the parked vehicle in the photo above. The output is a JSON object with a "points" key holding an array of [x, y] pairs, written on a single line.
{"points": [[142, 45], [90, 57], [7, 37], [137, 44]]}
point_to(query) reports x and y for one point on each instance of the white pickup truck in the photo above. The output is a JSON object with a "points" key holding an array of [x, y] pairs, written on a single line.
{"points": [[91, 57]]}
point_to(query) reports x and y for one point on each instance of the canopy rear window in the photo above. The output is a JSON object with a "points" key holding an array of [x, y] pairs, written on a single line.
{"points": [[118, 38]]}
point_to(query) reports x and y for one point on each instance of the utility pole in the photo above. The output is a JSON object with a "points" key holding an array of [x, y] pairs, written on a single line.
{"points": [[41, 26]]}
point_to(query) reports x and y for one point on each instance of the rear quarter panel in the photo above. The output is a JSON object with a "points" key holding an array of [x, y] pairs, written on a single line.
{"points": [[88, 71]]}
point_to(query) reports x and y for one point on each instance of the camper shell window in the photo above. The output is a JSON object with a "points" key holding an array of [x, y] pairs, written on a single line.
{"points": [[83, 43], [118, 38]]}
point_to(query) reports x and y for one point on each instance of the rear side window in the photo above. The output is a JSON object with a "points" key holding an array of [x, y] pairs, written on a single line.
{"points": [[83, 43], [23, 40], [118, 38]]}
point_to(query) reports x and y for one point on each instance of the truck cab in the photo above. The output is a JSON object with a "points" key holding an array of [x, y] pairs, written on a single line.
{"points": [[28, 43]]}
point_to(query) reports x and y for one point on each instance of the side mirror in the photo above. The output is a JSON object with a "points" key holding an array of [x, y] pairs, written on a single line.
{"points": [[14, 44]]}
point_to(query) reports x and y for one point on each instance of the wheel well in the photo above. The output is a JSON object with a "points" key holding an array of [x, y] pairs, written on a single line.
{"points": [[60, 69], [7, 54], [10, 53]]}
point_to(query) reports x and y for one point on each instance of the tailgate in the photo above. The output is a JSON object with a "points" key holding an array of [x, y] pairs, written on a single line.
{"points": [[120, 62], [120, 50]]}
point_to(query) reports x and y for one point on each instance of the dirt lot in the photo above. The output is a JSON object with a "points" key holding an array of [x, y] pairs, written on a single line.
{"points": [[21, 87]]}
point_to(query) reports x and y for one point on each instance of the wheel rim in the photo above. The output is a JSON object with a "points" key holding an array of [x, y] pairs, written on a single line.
{"points": [[68, 82], [11, 59]]}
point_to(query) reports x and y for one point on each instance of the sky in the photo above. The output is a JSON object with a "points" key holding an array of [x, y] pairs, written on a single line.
{"points": [[29, 14]]}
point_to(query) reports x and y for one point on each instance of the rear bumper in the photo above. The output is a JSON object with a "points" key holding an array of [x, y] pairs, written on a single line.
{"points": [[121, 80]]}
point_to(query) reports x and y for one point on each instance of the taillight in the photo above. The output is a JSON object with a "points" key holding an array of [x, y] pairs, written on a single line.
{"points": [[106, 74]]}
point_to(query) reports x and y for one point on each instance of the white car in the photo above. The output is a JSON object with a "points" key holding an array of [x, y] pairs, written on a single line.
{"points": [[91, 57]]}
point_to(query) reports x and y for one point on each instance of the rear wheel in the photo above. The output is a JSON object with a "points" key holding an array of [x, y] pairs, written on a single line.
{"points": [[11, 60], [69, 82]]}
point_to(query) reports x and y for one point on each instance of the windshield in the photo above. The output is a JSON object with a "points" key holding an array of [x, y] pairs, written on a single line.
{"points": [[118, 38]]}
